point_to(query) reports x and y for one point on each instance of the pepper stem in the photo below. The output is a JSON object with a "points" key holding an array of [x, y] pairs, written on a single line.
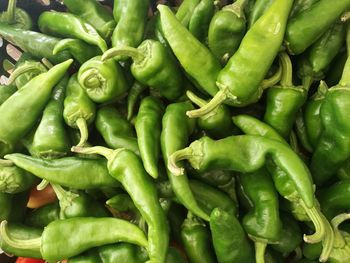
{"points": [[24, 69], [131, 52], [195, 99], [18, 243], [237, 8], [178, 156], [273, 80], [84, 132], [106, 152], [215, 102], [287, 70], [260, 248], [11, 12], [6, 163], [43, 184], [345, 78], [336, 221]]}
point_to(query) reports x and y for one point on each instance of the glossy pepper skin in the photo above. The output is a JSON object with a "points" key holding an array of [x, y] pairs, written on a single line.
{"points": [[37, 44], [240, 80], [103, 81], [217, 124], [200, 19], [24, 233], [43, 216], [226, 30], [14, 179], [152, 66], [262, 222], [303, 30], [198, 62], [74, 172], [229, 239], [284, 101], [148, 127], [68, 25], [6, 92], [16, 17], [79, 111], [259, 8], [196, 240], [175, 135], [115, 130], [14, 118], [94, 13], [78, 204], [301, 5], [127, 168], [58, 240], [130, 16], [50, 139]]}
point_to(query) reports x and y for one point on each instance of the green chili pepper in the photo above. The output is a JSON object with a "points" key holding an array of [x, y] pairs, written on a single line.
{"points": [[13, 179], [34, 96], [6, 92], [91, 256], [6, 205], [58, 240], [94, 13], [18, 207], [102, 81], [43, 216], [300, 128], [300, 6], [133, 95], [284, 101], [126, 167], [262, 222], [175, 256], [68, 25], [78, 204], [79, 110], [218, 122], [185, 11], [197, 240], [311, 251], [16, 17], [25, 69], [148, 128], [200, 19], [312, 118], [303, 30], [123, 253], [37, 44], [197, 61], [229, 239], [24, 233], [226, 30], [130, 16], [115, 130], [71, 172], [224, 180], [152, 66], [258, 10], [50, 139], [175, 134], [264, 37], [80, 50], [176, 215], [290, 237]]}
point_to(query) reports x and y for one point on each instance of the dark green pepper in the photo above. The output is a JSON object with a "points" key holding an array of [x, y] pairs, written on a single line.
{"points": [[152, 66], [148, 127], [300, 6], [133, 95], [258, 10], [43, 215], [185, 11], [196, 240], [115, 130]]}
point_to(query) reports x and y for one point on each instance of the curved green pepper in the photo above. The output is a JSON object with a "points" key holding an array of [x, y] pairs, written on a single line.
{"points": [[102, 81], [196, 240], [240, 80], [94, 13], [152, 66], [58, 240], [148, 127], [79, 110], [68, 25], [133, 95], [130, 16], [13, 112], [115, 130]]}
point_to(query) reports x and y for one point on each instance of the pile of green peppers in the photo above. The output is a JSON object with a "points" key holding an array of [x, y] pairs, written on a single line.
{"points": [[198, 131]]}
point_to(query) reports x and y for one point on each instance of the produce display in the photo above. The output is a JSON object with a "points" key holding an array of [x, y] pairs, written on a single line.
{"points": [[196, 131]]}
